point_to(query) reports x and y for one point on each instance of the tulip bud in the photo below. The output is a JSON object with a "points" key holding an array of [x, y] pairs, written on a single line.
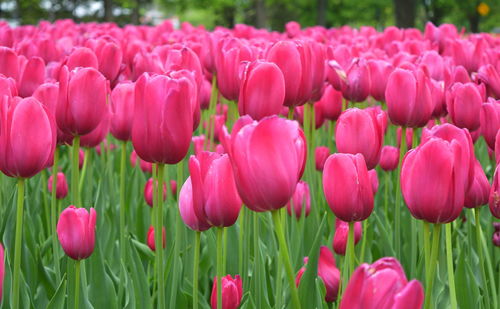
{"points": [[347, 187], [389, 158], [479, 191], [331, 103], [356, 86], [382, 284], [494, 200], [122, 111], [148, 192], [109, 55], [301, 199], [32, 76], [320, 155], [10, 63], [61, 186], [151, 238], [262, 90], [82, 57], [379, 74], [373, 180], [490, 121], [232, 291], [491, 78], [496, 239], [464, 102], [76, 232], [339, 243]]}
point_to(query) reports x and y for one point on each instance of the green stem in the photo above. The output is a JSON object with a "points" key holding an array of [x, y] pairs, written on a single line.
{"points": [[17, 248], [177, 244], [256, 258], [159, 235], [241, 220], [433, 260], [77, 284], [224, 251], [397, 233], [220, 232], [427, 247], [449, 259], [43, 198], [53, 216], [278, 228], [86, 162], [350, 248], [75, 179], [122, 217], [290, 112], [387, 176], [196, 267], [481, 255]]}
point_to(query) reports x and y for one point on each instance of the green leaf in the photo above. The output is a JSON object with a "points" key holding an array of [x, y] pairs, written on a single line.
{"points": [[57, 300]]}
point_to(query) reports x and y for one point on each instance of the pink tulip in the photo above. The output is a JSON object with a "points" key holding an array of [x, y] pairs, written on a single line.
{"points": [[339, 243], [382, 285], [163, 118], [464, 102], [148, 192], [32, 76], [389, 158], [232, 292], [151, 238], [268, 159], [347, 187], [122, 111], [301, 199], [262, 90], [496, 238], [61, 186], [9, 63], [81, 101], [491, 78], [379, 74], [438, 99], [82, 57], [494, 199], [2, 270], [359, 131], [205, 94], [96, 136], [331, 103], [146, 167], [76, 232], [408, 96], [27, 137], [373, 180], [490, 121], [109, 57], [320, 155], [479, 191], [355, 81]]}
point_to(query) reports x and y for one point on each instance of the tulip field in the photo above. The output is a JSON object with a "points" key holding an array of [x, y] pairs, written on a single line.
{"points": [[311, 168]]}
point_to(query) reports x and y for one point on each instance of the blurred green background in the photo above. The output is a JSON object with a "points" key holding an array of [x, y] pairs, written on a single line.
{"points": [[473, 15]]}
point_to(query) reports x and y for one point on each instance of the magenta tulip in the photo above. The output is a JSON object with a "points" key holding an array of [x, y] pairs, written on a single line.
{"points": [[382, 285], [379, 74], [76, 232], [389, 158], [373, 180], [320, 155], [150, 238], [32, 76], [61, 186], [232, 292], [9, 63], [82, 57], [479, 191], [464, 102], [300, 201], [97, 136], [490, 121], [109, 57], [148, 192], [331, 103], [339, 243], [491, 78], [122, 111], [494, 199], [347, 187]]}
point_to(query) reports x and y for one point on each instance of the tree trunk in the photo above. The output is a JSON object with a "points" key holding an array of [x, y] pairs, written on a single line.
{"points": [[108, 10], [260, 12], [135, 12], [404, 12], [321, 15]]}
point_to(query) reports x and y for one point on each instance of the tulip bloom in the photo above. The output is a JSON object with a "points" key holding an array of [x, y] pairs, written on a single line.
{"points": [[491, 78], [339, 243], [301, 199], [379, 74], [96, 136], [163, 118], [389, 158], [347, 187], [151, 238], [232, 291], [479, 191], [268, 159], [331, 103], [464, 103], [359, 131], [408, 96], [373, 180], [32, 76], [262, 90], [355, 81], [76, 232], [122, 111], [148, 192], [61, 186], [27, 137], [494, 200], [382, 285], [490, 121], [327, 271], [320, 155]]}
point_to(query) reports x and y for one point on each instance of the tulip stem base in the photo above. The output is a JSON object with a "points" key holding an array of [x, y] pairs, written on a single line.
{"points": [[397, 234], [481, 255], [220, 232], [158, 190], [122, 217], [283, 249], [449, 261], [350, 248], [75, 177], [53, 216], [77, 284], [196, 267], [18, 241], [433, 261]]}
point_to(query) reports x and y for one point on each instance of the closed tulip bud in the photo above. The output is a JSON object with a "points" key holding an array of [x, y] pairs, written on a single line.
{"points": [[300, 201], [331, 103], [268, 159], [27, 137], [32, 76], [408, 96], [339, 243], [389, 158], [148, 192], [61, 186], [151, 238], [382, 285], [122, 111], [496, 239], [81, 101], [359, 131], [347, 187], [76, 232], [205, 94], [374, 180], [491, 78], [163, 118], [379, 74], [464, 102], [9, 63], [320, 155], [232, 292], [2, 270], [494, 199], [438, 98], [262, 90], [490, 121], [496, 226], [82, 57], [479, 191], [96, 136], [109, 57], [358, 81]]}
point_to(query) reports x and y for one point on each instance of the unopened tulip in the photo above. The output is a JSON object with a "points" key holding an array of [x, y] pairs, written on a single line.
{"points": [[122, 111], [496, 238], [359, 131], [2, 270], [339, 243], [148, 192], [27, 137], [268, 159], [479, 191], [96, 136], [491, 78], [373, 180], [490, 121], [81, 101], [355, 81], [331, 103], [163, 118], [262, 90], [408, 96], [9, 63], [494, 200], [32, 76], [463, 102], [82, 57], [382, 285], [76, 232], [151, 238], [232, 292], [61, 186], [379, 74], [320, 155], [109, 57], [347, 187], [301, 199], [389, 158]]}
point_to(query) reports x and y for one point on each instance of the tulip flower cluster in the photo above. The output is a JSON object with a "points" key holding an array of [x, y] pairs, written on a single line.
{"points": [[347, 149]]}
